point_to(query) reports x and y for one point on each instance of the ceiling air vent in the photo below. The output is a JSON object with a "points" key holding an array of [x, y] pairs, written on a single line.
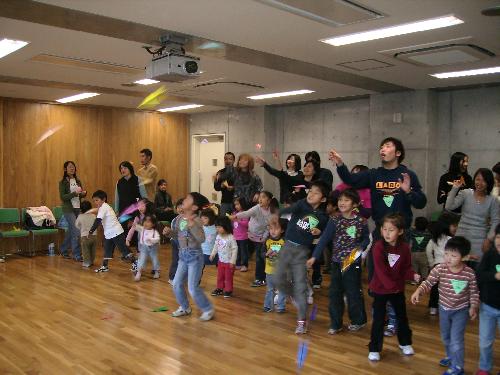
{"points": [[79, 63], [442, 53], [368, 64], [329, 12]]}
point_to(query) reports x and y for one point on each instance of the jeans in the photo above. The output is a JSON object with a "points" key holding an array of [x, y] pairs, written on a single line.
{"points": [[242, 259], [72, 235], [189, 269], [489, 322], [379, 308], [175, 259], [269, 298], [225, 272], [260, 260], [292, 261], [152, 252], [346, 283], [452, 324]]}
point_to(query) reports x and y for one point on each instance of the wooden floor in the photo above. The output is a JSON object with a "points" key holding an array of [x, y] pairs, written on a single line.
{"points": [[56, 318]]}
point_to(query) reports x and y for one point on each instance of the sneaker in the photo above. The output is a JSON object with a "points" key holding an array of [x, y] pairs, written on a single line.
{"points": [[482, 372], [86, 265], [433, 311], [281, 311], [301, 327], [407, 349], [228, 294], [153, 272], [275, 299], [243, 269], [454, 370], [171, 282], [258, 283], [316, 286], [137, 276], [267, 309], [333, 331], [78, 259], [156, 275], [102, 269], [133, 266], [207, 315], [390, 331], [181, 312], [445, 362], [66, 256], [374, 356], [217, 292], [355, 327], [310, 300]]}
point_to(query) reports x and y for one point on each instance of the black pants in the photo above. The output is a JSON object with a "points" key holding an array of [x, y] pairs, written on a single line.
{"points": [[346, 283], [379, 308], [434, 296], [316, 278], [260, 259], [109, 247], [242, 259], [175, 259]]}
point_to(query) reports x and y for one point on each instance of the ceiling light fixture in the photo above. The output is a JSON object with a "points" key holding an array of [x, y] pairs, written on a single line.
{"points": [[74, 98], [180, 108], [280, 94], [467, 73], [386, 32], [146, 81], [7, 46]]}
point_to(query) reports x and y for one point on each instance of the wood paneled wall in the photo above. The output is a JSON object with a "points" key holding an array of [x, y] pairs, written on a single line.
{"points": [[97, 139]]}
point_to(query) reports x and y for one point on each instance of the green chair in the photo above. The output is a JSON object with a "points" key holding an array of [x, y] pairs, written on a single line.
{"points": [[435, 215], [11, 216], [58, 213], [37, 233]]}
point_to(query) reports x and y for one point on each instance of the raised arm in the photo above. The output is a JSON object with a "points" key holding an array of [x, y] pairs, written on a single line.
{"points": [[455, 198]]}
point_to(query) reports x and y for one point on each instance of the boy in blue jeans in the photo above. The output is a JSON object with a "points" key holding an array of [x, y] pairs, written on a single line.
{"points": [[458, 300], [273, 246]]}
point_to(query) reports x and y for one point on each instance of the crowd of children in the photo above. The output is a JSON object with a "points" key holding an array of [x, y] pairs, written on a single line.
{"points": [[313, 222]]}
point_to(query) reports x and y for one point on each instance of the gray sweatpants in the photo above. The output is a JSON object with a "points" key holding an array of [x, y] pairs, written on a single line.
{"points": [[292, 267]]}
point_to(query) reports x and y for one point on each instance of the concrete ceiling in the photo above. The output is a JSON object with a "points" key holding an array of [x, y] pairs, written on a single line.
{"points": [[261, 45]]}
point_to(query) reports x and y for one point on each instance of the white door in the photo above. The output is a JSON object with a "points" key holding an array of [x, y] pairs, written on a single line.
{"points": [[207, 157]]}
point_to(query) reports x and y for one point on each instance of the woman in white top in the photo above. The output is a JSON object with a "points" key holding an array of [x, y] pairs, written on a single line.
{"points": [[71, 192]]}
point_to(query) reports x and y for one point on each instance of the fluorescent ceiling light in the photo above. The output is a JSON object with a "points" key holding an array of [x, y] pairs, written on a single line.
{"points": [[466, 73], [146, 81], [8, 46], [74, 98], [280, 94], [180, 108], [386, 32]]}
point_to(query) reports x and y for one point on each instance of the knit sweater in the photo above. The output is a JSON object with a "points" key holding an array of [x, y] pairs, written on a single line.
{"points": [[457, 290], [392, 267], [257, 226]]}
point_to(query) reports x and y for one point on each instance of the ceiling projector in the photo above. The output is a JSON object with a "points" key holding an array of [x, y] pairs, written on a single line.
{"points": [[173, 67]]}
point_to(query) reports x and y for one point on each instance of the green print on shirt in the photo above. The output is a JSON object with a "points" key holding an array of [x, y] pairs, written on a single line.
{"points": [[458, 285], [498, 267], [351, 231], [388, 199], [308, 222], [275, 247], [183, 224], [419, 239]]}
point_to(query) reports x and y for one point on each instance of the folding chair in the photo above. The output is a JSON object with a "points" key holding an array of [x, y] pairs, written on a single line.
{"points": [[11, 216]]}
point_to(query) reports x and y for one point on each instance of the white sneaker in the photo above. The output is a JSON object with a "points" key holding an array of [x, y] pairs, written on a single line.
{"points": [[156, 275], [374, 356], [137, 276], [181, 312], [171, 282], [207, 315], [433, 311], [407, 349], [276, 299], [310, 300]]}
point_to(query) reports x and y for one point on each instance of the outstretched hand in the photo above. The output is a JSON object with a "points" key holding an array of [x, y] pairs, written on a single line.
{"points": [[405, 183], [335, 157], [259, 161]]}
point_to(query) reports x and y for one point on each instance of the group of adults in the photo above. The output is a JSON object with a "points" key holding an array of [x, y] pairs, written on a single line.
{"points": [[130, 188], [389, 188]]}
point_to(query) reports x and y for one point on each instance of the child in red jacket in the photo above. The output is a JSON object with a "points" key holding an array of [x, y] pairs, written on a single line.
{"points": [[392, 267]]}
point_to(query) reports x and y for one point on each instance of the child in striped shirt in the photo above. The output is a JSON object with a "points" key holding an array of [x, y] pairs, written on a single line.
{"points": [[458, 300]]}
